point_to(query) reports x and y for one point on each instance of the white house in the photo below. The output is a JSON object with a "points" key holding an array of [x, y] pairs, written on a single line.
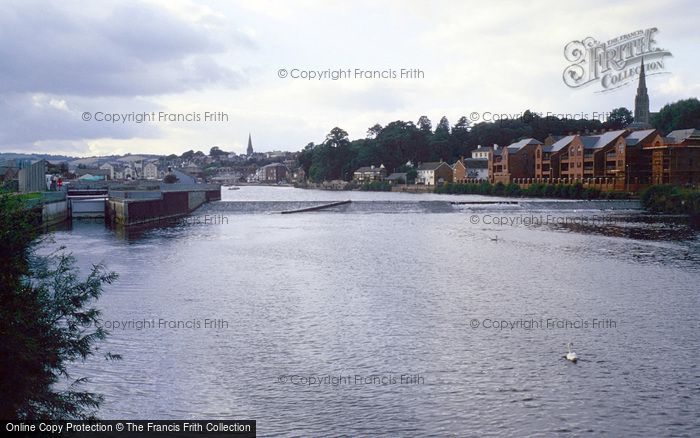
{"points": [[484, 153], [150, 171]]}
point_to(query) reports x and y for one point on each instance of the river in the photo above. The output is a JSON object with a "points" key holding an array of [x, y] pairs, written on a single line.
{"points": [[402, 315]]}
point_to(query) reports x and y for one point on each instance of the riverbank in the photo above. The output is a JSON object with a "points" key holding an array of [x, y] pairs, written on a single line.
{"points": [[535, 190], [671, 200]]}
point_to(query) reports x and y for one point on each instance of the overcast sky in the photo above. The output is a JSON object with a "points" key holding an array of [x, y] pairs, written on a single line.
{"points": [[59, 60]]}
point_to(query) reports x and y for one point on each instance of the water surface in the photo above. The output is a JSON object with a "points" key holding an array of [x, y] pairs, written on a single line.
{"points": [[401, 284]]}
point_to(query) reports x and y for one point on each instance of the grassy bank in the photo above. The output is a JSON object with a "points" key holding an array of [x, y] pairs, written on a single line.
{"points": [[537, 190], [671, 199]]}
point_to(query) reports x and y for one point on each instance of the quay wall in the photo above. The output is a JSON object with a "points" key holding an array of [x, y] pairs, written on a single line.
{"points": [[128, 210]]}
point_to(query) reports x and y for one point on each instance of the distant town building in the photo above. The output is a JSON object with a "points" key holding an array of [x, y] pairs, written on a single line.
{"points": [[272, 173], [369, 173], [397, 178], [150, 171], [109, 167], [434, 173]]}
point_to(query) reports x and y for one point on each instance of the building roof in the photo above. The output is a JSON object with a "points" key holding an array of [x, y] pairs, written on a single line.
{"points": [[602, 140], [371, 169], [636, 137], [274, 165], [559, 144], [476, 163], [432, 165], [515, 147], [397, 176], [680, 135], [184, 178]]}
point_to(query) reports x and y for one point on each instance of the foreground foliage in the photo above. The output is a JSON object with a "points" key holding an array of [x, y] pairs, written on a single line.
{"points": [[47, 321]]}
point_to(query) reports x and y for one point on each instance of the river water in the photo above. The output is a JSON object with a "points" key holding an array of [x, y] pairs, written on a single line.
{"points": [[402, 315]]}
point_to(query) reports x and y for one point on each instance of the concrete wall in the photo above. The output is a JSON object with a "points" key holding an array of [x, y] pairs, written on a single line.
{"points": [[54, 212], [87, 207], [196, 199], [130, 210]]}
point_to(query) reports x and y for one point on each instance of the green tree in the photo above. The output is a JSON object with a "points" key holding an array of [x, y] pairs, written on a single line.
{"points": [[46, 322], [187, 155], [374, 130], [424, 124], [170, 179], [619, 118], [440, 141], [215, 152], [460, 138], [684, 114]]}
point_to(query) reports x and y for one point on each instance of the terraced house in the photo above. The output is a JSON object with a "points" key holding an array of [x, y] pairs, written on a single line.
{"points": [[514, 161], [616, 157]]}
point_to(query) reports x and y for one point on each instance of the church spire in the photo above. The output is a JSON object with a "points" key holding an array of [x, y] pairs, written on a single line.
{"points": [[642, 79], [641, 103], [249, 151]]}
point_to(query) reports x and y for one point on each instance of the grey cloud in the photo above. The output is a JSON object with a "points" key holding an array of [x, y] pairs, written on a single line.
{"points": [[28, 120], [130, 49]]}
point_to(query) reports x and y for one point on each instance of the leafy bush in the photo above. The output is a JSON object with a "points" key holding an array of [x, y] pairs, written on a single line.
{"points": [[667, 198], [376, 186]]}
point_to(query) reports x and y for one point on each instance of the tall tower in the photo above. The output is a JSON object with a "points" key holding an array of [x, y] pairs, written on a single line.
{"points": [[641, 103], [249, 151]]}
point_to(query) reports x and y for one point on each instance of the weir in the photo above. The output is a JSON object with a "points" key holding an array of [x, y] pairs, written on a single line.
{"points": [[317, 207]]}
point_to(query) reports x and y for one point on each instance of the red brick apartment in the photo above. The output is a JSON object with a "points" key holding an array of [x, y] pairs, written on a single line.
{"points": [[675, 159], [514, 161]]}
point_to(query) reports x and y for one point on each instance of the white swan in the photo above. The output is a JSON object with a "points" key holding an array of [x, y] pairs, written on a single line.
{"points": [[571, 355]]}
